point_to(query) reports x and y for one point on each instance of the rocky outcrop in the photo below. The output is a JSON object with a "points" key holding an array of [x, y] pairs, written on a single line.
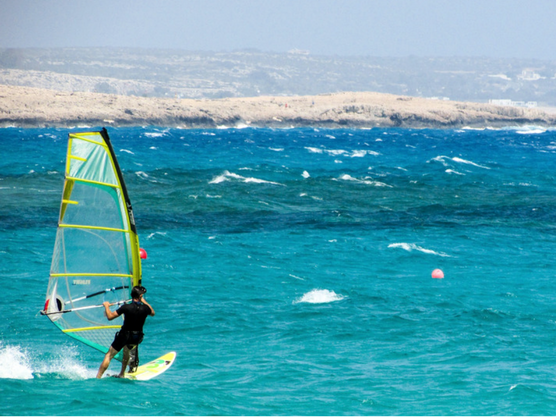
{"points": [[33, 107]]}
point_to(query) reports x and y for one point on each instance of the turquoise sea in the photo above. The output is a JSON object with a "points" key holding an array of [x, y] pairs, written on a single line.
{"points": [[291, 272]]}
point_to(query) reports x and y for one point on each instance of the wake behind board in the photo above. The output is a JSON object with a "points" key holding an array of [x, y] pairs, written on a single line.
{"points": [[153, 368]]}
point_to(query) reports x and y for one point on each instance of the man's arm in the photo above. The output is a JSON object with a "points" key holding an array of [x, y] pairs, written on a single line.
{"points": [[110, 315], [148, 305]]}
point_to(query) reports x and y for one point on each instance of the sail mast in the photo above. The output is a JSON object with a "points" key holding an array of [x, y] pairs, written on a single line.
{"points": [[137, 276]]}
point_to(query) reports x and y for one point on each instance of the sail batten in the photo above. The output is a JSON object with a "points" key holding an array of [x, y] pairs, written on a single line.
{"points": [[93, 182], [96, 253], [85, 329], [90, 274], [80, 226]]}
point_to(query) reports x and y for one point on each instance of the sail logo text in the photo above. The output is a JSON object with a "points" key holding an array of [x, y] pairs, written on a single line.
{"points": [[81, 282]]}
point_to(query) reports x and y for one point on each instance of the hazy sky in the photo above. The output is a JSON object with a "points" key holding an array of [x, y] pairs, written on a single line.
{"points": [[492, 28]]}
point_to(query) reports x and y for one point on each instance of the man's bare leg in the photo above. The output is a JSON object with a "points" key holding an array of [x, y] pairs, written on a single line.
{"points": [[125, 360], [106, 362]]}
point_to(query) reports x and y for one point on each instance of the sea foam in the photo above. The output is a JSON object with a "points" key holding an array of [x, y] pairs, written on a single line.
{"points": [[337, 152], [319, 297], [442, 159], [412, 246], [367, 181], [228, 176]]}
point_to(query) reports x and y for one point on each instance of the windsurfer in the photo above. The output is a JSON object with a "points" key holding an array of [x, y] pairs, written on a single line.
{"points": [[131, 333]]}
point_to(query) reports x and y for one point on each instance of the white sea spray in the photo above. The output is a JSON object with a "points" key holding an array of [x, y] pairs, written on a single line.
{"points": [[14, 363], [318, 296]]}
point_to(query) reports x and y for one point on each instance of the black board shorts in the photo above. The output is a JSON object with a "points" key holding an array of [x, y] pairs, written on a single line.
{"points": [[126, 338]]}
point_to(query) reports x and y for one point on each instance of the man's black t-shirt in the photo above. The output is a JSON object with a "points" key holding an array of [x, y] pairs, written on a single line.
{"points": [[135, 315]]}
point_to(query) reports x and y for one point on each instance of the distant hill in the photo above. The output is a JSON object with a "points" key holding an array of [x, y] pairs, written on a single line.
{"points": [[251, 73]]}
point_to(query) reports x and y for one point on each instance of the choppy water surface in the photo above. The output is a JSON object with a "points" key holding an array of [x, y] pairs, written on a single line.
{"points": [[291, 272]]}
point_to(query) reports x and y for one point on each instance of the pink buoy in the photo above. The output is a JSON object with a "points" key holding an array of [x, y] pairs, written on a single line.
{"points": [[437, 273], [143, 253]]}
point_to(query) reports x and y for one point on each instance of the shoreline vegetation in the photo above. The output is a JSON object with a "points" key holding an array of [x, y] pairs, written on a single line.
{"points": [[28, 107]]}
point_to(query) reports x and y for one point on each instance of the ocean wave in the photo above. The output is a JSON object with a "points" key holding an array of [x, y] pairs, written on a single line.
{"points": [[157, 233], [531, 131], [463, 161], [125, 150], [356, 153], [412, 246], [442, 159], [367, 181], [526, 130], [520, 184], [228, 176], [319, 297], [145, 176], [155, 134], [296, 277]]}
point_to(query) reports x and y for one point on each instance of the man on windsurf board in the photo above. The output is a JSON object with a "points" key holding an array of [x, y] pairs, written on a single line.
{"points": [[131, 333]]}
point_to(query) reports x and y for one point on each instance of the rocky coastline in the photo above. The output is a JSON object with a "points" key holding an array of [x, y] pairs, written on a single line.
{"points": [[33, 107]]}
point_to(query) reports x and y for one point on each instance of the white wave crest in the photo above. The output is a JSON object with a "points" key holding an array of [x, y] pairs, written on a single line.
{"points": [[219, 179], [319, 297], [154, 234], [367, 181], [528, 130], [463, 161], [362, 153], [228, 176], [412, 246], [442, 159], [296, 277], [125, 150], [154, 134], [305, 174], [145, 176], [336, 152], [314, 150]]}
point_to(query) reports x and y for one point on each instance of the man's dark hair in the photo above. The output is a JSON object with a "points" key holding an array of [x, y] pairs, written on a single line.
{"points": [[137, 291]]}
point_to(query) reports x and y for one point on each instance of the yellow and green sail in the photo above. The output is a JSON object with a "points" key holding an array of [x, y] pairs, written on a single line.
{"points": [[96, 254]]}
